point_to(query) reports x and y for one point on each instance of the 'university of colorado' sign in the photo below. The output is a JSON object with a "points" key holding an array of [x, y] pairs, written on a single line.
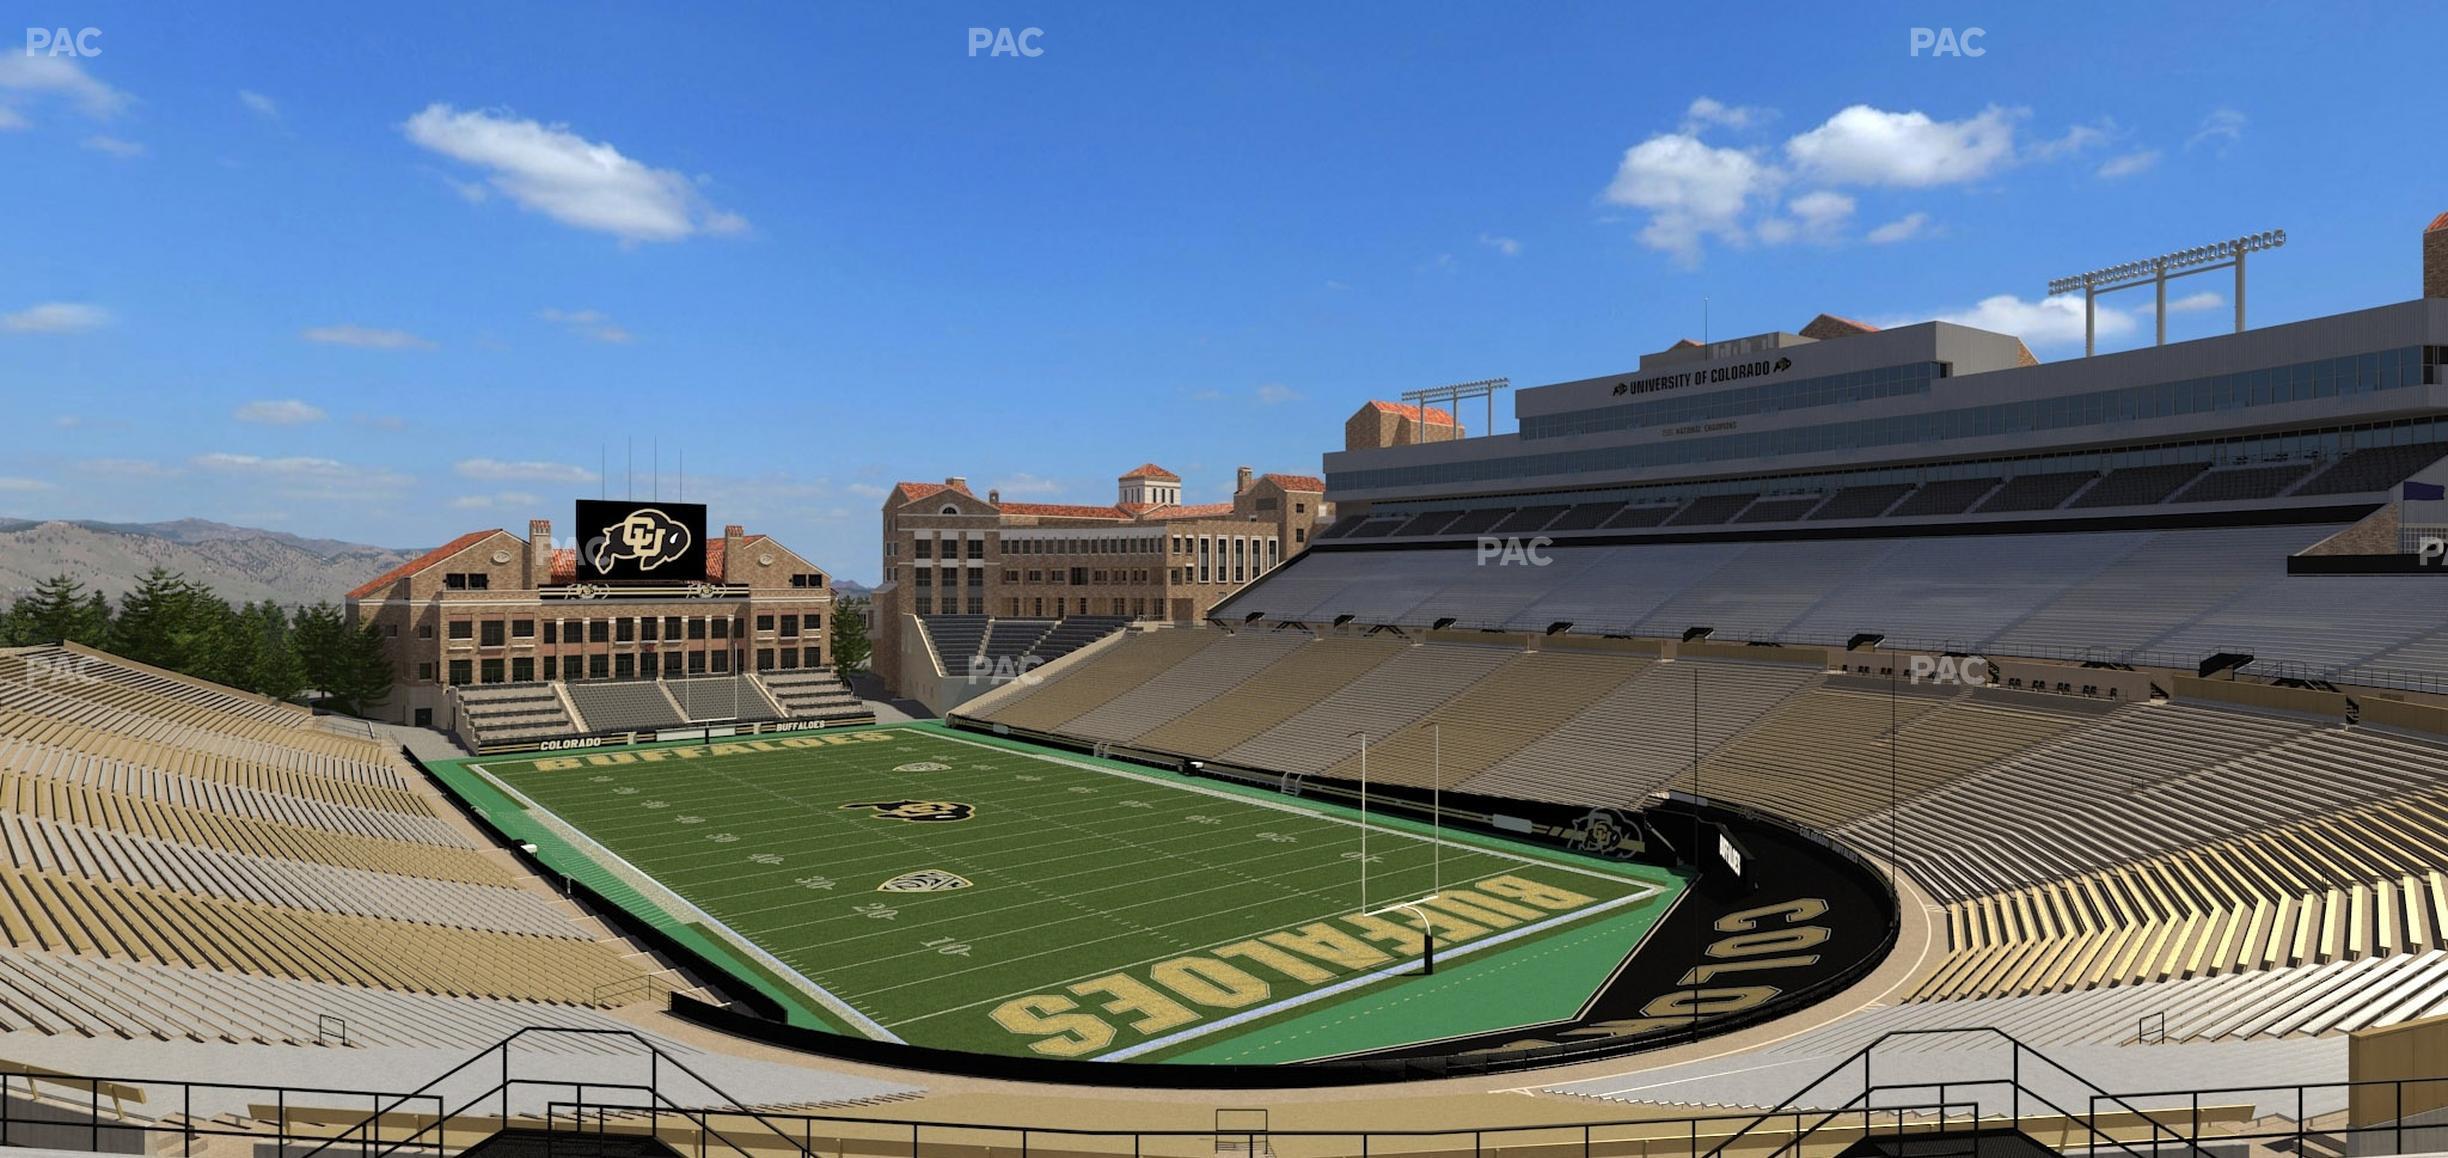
{"points": [[1710, 377]]}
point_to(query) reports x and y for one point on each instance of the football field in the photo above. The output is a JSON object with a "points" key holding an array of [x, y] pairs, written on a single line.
{"points": [[914, 884]]}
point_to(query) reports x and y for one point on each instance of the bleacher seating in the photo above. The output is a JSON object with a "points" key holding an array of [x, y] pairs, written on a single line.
{"points": [[2169, 598], [623, 705], [1779, 510], [2373, 469], [1075, 632], [1641, 515], [2239, 484], [2035, 492], [1011, 638], [187, 863], [1637, 738], [1585, 517], [816, 693], [2139, 485], [1862, 502], [1711, 510], [955, 638], [1949, 497], [508, 713]]}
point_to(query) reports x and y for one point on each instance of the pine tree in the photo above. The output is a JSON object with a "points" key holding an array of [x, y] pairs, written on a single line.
{"points": [[850, 644], [59, 610], [151, 620], [361, 673]]}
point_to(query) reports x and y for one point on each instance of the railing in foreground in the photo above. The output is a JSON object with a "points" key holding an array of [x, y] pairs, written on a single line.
{"points": [[1864, 1096]]}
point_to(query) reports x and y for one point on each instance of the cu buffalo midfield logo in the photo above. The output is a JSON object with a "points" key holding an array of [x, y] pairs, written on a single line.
{"points": [[648, 537], [918, 811], [924, 881]]}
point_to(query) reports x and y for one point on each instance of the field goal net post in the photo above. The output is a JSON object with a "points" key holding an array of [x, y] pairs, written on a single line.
{"points": [[1243, 1132]]}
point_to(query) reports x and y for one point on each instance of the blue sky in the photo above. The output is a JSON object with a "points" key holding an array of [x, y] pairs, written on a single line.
{"points": [[387, 274]]}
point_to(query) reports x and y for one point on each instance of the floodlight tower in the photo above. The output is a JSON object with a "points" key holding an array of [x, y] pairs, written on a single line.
{"points": [[2155, 271]]}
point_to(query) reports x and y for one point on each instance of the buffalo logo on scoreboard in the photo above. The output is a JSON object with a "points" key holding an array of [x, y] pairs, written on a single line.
{"points": [[918, 811], [924, 881], [642, 540]]}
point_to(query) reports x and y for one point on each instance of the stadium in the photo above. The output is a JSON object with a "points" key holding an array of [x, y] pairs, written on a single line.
{"points": [[1846, 740]]}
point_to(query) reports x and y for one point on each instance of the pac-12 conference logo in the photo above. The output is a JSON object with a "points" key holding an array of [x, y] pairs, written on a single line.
{"points": [[648, 538]]}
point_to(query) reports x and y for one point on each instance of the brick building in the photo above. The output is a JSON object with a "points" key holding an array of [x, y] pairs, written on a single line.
{"points": [[491, 608], [1148, 556]]}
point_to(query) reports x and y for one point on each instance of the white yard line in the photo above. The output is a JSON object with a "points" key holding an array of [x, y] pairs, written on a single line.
{"points": [[662, 895]]}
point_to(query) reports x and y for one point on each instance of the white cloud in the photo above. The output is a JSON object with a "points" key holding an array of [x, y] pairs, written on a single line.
{"points": [[1276, 393], [2222, 127], [1025, 483], [2128, 164], [116, 147], [309, 479], [2079, 139], [11, 119], [1861, 145], [126, 468], [2196, 303], [27, 78], [2048, 322], [8, 484], [581, 183], [868, 490], [1705, 112], [590, 324], [1507, 246], [55, 318], [1904, 228], [365, 337], [259, 104], [497, 470], [1691, 189], [285, 412]]}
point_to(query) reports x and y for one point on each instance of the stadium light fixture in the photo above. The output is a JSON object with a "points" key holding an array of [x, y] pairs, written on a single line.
{"points": [[2155, 271], [1452, 396]]}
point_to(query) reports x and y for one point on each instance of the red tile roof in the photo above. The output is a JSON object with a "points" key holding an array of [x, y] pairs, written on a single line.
{"points": [[2438, 223], [420, 563], [1151, 470], [1833, 326], [1436, 415], [1064, 510], [716, 549], [1196, 511], [1298, 482], [913, 491]]}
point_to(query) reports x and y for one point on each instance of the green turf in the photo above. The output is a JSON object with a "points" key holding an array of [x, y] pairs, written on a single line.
{"points": [[1098, 897]]}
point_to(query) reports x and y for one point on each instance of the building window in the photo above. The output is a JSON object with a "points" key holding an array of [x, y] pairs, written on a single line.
{"points": [[462, 629], [522, 629], [461, 672], [646, 628], [650, 664], [765, 624], [977, 548], [627, 629], [599, 631], [624, 666], [765, 659], [722, 629], [522, 670], [696, 662], [552, 667], [552, 631], [671, 627], [923, 549], [391, 630], [425, 673], [696, 629], [492, 671], [424, 631], [599, 667], [790, 627], [491, 632], [925, 604]]}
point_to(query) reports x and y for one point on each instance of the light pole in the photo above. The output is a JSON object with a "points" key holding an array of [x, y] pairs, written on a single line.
{"points": [[1436, 816], [1363, 820]]}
